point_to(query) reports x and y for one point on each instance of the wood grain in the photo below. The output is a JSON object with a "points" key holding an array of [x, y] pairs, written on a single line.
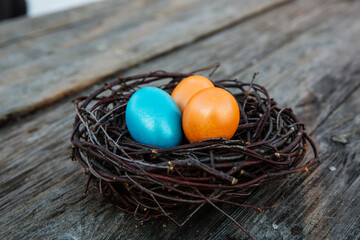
{"points": [[25, 27], [41, 189], [50, 73]]}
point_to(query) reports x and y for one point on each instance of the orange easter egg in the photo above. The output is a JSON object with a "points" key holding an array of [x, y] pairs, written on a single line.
{"points": [[211, 113], [187, 88]]}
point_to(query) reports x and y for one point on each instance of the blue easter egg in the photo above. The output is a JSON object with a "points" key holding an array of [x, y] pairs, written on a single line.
{"points": [[153, 118]]}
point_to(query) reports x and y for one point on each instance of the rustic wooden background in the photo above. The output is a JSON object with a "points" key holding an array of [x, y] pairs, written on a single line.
{"points": [[310, 46]]}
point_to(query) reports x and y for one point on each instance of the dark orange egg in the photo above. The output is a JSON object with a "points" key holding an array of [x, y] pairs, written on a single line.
{"points": [[211, 113], [187, 88]]}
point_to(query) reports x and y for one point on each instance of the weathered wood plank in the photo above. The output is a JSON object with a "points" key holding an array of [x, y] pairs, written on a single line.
{"points": [[25, 27], [19, 29], [75, 218], [113, 18], [49, 77]]}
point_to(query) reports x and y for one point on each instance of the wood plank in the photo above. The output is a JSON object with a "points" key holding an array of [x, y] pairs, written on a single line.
{"points": [[338, 207], [76, 217], [99, 24], [60, 72], [24, 28]]}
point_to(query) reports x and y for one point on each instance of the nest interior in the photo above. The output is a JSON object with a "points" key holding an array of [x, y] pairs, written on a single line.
{"points": [[269, 144]]}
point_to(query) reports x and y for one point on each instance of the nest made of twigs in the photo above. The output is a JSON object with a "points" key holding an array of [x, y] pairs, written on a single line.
{"points": [[270, 143]]}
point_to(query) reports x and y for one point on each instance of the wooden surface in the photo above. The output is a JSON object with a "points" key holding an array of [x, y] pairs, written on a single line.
{"points": [[310, 46], [75, 57]]}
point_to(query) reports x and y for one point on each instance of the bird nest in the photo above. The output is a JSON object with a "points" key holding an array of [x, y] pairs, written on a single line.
{"points": [[269, 144]]}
